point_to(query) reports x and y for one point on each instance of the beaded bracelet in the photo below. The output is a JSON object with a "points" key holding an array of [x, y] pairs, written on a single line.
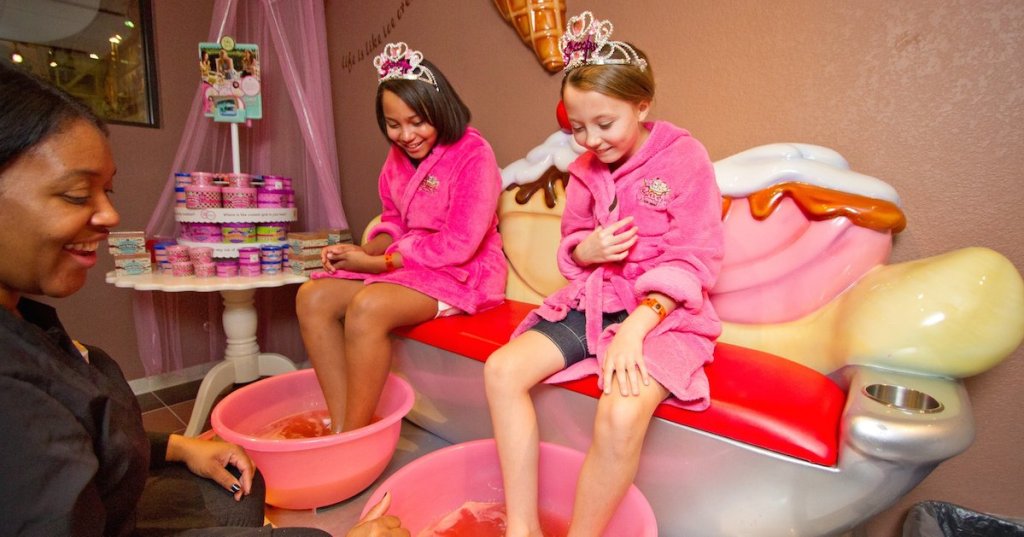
{"points": [[389, 262], [656, 306]]}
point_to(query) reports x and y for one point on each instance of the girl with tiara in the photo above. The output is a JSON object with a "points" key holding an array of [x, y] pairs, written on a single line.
{"points": [[641, 247], [435, 252]]}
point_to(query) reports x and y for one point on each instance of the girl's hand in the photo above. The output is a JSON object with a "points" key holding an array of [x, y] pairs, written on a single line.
{"points": [[607, 244], [331, 256], [624, 360], [210, 458], [360, 261]]}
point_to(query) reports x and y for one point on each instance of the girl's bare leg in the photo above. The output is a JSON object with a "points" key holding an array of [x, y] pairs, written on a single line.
{"points": [[320, 306], [508, 376], [374, 312], [614, 455]]}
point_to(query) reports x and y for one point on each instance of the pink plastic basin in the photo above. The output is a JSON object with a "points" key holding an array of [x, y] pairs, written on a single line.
{"points": [[310, 472], [427, 489]]}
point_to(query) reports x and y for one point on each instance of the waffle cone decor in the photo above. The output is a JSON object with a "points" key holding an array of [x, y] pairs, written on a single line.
{"points": [[539, 24]]}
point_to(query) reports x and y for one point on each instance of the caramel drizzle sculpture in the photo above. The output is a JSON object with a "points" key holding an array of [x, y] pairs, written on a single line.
{"points": [[822, 204], [816, 202]]}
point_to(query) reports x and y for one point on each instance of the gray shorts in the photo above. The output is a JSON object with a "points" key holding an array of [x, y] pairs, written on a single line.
{"points": [[570, 334]]}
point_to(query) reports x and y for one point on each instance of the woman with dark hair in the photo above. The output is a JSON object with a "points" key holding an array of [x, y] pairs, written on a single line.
{"points": [[74, 459], [435, 252]]}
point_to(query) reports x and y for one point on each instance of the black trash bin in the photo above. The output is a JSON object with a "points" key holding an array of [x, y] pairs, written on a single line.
{"points": [[941, 519]]}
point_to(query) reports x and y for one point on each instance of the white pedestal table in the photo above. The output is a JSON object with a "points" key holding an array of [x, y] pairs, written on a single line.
{"points": [[243, 361]]}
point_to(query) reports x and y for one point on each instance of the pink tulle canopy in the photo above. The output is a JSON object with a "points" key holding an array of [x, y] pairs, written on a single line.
{"points": [[295, 138]]}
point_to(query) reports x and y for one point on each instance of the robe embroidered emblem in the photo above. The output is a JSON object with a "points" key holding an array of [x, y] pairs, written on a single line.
{"points": [[654, 192], [429, 184]]}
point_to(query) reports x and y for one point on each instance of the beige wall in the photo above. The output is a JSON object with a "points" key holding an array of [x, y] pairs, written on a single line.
{"points": [[926, 95]]}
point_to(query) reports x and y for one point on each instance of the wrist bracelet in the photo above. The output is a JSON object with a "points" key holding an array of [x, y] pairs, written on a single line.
{"points": [[389, 263], [656, 306]]}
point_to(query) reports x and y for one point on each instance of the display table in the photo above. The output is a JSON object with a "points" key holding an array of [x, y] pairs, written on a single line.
{"points": [[243, 361]]}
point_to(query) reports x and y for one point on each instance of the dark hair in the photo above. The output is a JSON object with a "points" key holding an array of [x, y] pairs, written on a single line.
{"points": [[621, 81], [441, 107], [32, 110]]}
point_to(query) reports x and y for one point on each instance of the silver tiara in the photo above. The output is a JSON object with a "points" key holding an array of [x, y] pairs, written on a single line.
{"points": [[586, 41], [399, 61]]}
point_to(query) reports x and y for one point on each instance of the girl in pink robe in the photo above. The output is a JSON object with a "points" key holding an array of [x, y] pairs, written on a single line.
{"points": [[641, 247], [435, 252]]}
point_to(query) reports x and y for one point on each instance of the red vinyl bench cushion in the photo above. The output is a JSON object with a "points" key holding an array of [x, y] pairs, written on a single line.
{"points": [[756, 398]]}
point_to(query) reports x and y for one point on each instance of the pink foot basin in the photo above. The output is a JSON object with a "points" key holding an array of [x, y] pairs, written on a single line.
{"points": [[427, 489], [306, 473]]}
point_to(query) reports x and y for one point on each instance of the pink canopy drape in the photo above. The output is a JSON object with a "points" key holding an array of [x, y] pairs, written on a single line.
{"points": [[295, 138]]}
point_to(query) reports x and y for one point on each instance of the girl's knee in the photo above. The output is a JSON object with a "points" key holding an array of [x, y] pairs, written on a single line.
{"points": [[322, 300], [367, 309], [494, 367], [500, 371], [308, 300], [620, 418]]}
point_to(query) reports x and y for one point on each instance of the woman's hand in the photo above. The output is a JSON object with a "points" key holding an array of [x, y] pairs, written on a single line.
{"points": [[606, 244], [377, 524], [210, 458]]}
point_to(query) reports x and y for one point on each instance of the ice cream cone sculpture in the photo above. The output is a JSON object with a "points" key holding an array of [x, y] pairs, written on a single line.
{"points": [[539, 24], [804, 274]]}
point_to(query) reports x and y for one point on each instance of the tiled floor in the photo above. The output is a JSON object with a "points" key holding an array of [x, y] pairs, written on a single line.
{"points": [[168, 418], [168, 410]]}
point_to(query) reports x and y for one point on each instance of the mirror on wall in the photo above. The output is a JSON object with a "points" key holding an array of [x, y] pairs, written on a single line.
{"points": [[100, 51]]}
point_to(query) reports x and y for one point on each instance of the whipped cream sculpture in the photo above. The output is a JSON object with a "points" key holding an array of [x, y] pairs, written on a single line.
{"points": [[804, 274], [539, 24]]}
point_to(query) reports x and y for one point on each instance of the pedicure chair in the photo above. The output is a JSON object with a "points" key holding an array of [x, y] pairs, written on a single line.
{"points": [[836, 385]]}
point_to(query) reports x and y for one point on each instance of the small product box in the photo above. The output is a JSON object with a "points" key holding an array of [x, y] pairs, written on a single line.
{"points": [[306, 243], [126, 243], [304, 264], [133, 265], [339, 236]]}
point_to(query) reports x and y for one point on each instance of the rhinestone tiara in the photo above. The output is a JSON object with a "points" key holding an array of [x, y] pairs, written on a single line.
{"points": [[399, 61], [586, 41]]}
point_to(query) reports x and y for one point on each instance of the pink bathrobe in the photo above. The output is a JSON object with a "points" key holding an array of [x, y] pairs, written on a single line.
{"points": [[442, 218], [669, 188]]}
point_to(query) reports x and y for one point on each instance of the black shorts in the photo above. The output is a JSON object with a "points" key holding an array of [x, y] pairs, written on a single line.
{"points": [[570, 334]]}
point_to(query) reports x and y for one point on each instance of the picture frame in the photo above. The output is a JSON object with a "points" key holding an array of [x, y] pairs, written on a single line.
{"points": [[99, 51], [229, 74]]}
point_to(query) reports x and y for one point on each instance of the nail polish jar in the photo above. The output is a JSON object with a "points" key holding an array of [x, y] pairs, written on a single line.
{"points": [[202, 197], [238, 232], [238, 180], [276, 232], [238, 197], [181, 268], [227, 268], [203, 232]]}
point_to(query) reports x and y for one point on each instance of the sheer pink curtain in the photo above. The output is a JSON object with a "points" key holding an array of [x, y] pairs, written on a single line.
{"points": [[295, 138]]}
